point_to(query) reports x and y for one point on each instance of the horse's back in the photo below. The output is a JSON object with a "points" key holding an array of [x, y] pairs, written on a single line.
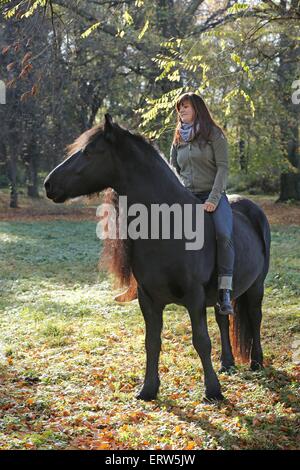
{"points": [[258, 219]]}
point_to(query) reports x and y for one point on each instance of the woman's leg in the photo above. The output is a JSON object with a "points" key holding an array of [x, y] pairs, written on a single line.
{"points": [[222, 217]]}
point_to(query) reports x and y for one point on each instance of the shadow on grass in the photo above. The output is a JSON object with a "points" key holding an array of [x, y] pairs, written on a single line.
{"points": [[261, 430], [281, 383], [260, 434]]}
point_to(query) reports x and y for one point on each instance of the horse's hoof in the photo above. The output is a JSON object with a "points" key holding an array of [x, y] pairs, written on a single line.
{"points": [[256, 366], [228, 370], [213, 398], [146, 396]]}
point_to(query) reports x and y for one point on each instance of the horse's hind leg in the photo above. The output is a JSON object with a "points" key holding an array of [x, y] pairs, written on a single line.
{"points": [[153, 321], [254, 297], [227, 359], [202, 344]]}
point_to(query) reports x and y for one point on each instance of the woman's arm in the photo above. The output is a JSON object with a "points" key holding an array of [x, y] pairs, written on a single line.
{"points": [[220, 149], [173, 158]]}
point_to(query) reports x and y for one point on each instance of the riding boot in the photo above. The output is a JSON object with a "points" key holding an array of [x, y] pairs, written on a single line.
{"points": [[225, 307]]}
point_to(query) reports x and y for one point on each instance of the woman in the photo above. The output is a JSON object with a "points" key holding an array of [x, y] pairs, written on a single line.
{"points": [[199, 153]]}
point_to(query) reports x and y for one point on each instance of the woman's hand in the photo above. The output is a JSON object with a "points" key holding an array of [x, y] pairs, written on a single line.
{"points": [[209, 206]]}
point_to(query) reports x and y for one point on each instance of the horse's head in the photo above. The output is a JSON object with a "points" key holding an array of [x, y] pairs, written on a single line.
{"points": [[90, 168]]}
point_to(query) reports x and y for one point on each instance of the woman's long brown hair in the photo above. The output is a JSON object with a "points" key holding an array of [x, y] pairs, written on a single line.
{"points": [[202, 117]]}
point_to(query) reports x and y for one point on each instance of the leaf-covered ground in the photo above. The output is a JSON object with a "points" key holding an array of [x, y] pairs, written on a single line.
{"points": [[72, 359]]}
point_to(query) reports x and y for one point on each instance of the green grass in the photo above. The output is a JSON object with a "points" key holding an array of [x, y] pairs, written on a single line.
{"points": [[72, 360]]}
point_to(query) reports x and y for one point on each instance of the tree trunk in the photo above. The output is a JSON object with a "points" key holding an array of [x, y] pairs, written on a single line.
{"points": [[32, 171], [12, 176], [289, 123], [242, 157], [289, 187]]}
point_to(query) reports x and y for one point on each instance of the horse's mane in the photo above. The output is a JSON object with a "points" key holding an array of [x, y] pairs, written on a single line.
{"points": [[154, 152], [84, 139], [116, 253]]}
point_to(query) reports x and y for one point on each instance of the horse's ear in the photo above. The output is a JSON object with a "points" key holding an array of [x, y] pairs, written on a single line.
{"points": [[108, 126], [108, 119]]}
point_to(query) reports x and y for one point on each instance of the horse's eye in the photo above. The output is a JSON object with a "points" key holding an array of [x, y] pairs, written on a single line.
{"points": [[87, 153]]}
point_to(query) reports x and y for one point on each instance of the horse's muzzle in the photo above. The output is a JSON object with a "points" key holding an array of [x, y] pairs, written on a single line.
{"points": [[53, 194]]}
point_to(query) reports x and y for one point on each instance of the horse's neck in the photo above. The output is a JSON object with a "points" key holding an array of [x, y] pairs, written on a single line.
{"points": [[146, 179]]}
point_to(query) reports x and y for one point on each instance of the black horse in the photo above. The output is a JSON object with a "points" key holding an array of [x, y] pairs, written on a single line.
{"points": [[110, 156]]}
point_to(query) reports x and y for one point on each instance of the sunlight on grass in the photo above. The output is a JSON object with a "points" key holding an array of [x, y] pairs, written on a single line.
{"points": [[72, 359]]}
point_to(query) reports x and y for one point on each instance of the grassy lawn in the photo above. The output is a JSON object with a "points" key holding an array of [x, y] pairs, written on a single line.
{"points": [[72, 359]]}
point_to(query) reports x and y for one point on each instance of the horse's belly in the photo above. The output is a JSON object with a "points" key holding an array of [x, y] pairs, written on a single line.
{"points": [[171, 276]]}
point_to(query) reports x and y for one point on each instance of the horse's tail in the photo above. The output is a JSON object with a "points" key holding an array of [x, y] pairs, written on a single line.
{"points": [[266, 232], [240, 329]]}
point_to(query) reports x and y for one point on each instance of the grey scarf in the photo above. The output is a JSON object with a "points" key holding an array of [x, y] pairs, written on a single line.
{"points": [[187, 131]]}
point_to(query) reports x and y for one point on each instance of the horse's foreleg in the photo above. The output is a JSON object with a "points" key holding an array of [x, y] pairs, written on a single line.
{"points": [[202, 344], [227, 359], [153, 321]]}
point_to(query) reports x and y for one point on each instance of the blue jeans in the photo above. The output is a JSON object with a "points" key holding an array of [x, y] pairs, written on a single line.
{"points": [[222, 217]]}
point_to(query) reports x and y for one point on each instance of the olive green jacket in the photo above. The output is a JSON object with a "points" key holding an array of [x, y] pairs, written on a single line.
{"points": [[203, 168]]}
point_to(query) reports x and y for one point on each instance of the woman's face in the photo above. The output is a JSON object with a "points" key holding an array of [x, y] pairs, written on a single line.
{"points": [[186, 112]]}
